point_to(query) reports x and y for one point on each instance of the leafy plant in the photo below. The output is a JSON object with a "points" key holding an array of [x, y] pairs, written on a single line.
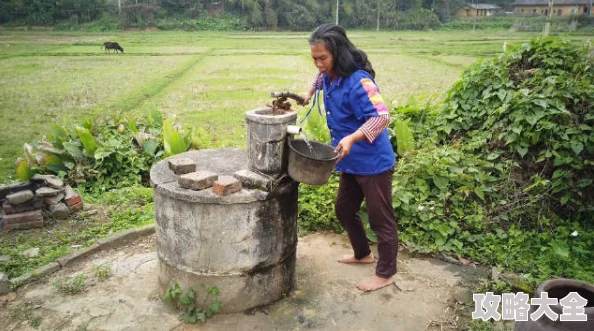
{"points": [[24, 312], [71, 286], [185, 302], [102, 272], [104, 153]]}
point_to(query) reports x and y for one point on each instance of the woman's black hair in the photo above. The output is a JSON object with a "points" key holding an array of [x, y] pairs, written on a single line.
{"points": [[347, 57]]}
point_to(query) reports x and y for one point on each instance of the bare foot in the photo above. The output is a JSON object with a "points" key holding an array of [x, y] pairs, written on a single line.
{"points": [[374, 283], [351, 259]]}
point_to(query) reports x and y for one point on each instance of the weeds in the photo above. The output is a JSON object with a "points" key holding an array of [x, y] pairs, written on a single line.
{"points": [[71, 286], [190, 310], [102, 272], [25, 313]]}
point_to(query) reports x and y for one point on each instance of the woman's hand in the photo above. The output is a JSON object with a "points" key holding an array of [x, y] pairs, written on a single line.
{"points": [[306, 97], [345, 144]]}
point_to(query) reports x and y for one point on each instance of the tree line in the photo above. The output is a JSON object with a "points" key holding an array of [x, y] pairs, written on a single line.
{"points": [[264, 14]]}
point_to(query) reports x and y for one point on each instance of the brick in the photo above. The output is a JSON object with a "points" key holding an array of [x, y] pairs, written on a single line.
{"points": [[198, 180], [74, 200], [182, 166], [20, 197], [23, 226], [26, 217], [53, 200], [34, 204], [76, 208], [226, 185]]}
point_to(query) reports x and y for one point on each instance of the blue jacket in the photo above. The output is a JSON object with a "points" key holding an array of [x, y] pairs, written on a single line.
{"points": [[349, 102]]}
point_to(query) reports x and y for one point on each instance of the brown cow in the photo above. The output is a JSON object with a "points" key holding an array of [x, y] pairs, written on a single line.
{"points": [[110, 45]]}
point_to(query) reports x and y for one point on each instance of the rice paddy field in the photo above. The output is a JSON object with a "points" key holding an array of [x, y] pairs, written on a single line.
{"points": [[204, 80]]}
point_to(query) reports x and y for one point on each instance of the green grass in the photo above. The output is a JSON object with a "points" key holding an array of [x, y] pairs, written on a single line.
{"points": [[112, 212], [205, 80]]}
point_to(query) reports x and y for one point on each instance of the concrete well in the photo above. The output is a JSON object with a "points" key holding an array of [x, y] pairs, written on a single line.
{"points": [[244, 243], [267, 140]]}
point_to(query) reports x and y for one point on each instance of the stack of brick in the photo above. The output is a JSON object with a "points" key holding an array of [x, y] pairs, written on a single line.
{"points": [[24, 205], [190, 178]]}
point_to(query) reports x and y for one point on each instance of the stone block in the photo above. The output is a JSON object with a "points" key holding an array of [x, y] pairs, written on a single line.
{"points": [[182, 166], [22, 279], [59, 211], [55, 182], [23, 226], [42, 178], [35, 203], [30, 253], [226, 185], [25, 217], [76, 207], [74, 200], [198, 180], [53, 200], [12, 188], [46, 269], [69, 192], [254, 180], [79, 254], [20, 197], [48, 192], [4, 284]]}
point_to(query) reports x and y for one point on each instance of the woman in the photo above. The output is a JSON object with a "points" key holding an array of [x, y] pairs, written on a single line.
{"points": [[357, 118]]}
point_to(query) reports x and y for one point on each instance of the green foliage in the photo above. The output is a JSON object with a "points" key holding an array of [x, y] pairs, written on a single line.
{"points": [[412, 19], [102, 272], [105, 153], [405, 142], [501, 175], [128, 208], [204, 23], [316, 206], [186, 303], [71, 286], [532, 107], [24, 312], [174, 140]]}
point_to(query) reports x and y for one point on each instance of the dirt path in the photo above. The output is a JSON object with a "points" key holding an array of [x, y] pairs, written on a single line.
{"points": [[325, 297]]}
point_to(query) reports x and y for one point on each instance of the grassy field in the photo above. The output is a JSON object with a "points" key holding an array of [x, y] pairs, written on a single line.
{"points": [[204, 80]]}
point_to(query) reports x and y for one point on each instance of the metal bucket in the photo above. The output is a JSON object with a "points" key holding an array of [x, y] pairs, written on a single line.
{"points": [[313, 166]]}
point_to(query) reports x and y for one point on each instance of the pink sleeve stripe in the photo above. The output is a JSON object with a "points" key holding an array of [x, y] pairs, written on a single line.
{"points": [[374, 96], [374, 126]]}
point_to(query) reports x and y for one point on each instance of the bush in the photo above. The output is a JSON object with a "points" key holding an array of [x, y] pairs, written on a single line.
{"points": [[412, 19], [105, 153], [204, 23], [502, 173]]}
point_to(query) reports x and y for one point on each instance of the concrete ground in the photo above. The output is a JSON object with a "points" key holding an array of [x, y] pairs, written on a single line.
{"points": [[428, 295]]}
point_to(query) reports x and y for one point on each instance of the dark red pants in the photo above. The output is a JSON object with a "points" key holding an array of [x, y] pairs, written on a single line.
{"points": [[377, 192]]}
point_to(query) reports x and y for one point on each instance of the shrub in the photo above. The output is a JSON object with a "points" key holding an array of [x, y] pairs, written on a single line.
{"points": [[502, 172], [105, 153]]}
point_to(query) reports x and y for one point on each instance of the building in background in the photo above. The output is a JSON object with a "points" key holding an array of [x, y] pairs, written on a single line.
{"points": [[560, 7], [477, 9]]}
